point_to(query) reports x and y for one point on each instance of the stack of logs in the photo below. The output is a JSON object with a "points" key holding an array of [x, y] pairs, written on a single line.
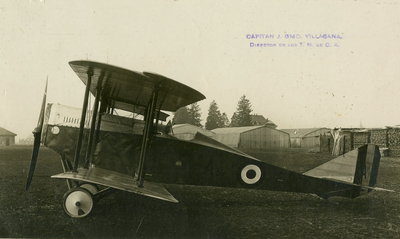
{"points": [[387, 139], [379, 137], [393, 135], [361, 138]]}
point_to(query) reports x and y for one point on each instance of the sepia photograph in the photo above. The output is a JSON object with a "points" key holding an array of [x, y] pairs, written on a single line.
{"points": [[199, 119]]}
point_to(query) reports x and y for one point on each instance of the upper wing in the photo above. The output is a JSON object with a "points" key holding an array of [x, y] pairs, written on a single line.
{"points": [[131, 91]]}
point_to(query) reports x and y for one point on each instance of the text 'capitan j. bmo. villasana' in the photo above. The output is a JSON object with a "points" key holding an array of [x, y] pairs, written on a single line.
{"points": [[294, 40]]}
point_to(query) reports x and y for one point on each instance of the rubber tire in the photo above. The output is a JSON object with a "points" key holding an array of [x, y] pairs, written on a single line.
{"points": [[93, 188], [76, 196]]}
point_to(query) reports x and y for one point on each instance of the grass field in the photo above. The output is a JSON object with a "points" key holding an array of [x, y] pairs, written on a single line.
{"points": [[202, 212]]}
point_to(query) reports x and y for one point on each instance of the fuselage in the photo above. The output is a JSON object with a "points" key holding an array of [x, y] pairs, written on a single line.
{"points": [[200, 161]]}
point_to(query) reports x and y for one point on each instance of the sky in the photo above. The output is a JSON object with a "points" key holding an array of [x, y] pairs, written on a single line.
{"points": [[324, 63]]}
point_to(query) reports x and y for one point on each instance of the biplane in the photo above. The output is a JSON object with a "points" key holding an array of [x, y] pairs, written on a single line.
{"points": [[102, 151]]}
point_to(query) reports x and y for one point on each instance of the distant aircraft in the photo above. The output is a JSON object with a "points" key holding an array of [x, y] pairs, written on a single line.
{"points": [[101, 150]]}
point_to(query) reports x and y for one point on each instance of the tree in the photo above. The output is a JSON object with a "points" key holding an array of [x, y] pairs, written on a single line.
{"points": [[195, 115], [234, 120], [181, 116], [225, 120], [185, 115], [242, 116], [214, 117]]}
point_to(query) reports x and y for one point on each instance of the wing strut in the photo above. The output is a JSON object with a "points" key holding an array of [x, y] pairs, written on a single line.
{"points": [[83, 119], [147, 134], [159, 112], [93, 124]]}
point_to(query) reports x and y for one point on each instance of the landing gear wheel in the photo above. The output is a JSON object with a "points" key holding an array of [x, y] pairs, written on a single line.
{"points": [[78, 202], [93, 188]]}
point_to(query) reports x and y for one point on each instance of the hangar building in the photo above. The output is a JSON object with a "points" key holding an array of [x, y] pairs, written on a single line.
{"points": [[188, 131], [252, 137], [306, 138], [7, 138]]}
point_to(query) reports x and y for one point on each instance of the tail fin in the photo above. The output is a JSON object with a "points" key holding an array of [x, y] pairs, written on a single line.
{"points": [[366, 173], [358, 167]]}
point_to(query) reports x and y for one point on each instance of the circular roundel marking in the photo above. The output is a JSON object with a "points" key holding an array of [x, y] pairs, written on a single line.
{"points": [[55, 130], [251, 174]]}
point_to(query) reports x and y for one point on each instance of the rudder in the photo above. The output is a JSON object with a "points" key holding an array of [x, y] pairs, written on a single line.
{"points": [[366, 173], [358, 167]]}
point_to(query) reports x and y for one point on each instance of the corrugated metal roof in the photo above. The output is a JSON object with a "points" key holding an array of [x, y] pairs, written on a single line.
{"points": [[4, 132], [393, 127], [231, 136], [188, 128], [235, 130], [299, 133], [269, 122]]}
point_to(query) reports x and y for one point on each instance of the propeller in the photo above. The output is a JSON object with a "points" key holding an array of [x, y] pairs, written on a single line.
{"points": [[37, 134]]}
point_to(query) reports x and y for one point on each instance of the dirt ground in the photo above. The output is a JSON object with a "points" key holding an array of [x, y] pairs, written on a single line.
{"points": [[202, 212]]}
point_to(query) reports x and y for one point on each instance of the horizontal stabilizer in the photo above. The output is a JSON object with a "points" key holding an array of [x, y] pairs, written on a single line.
{"points": [[119, 181], [341, 168]]}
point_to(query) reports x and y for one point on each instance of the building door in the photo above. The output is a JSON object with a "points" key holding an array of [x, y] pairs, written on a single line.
{"points": [[7, 142]]}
